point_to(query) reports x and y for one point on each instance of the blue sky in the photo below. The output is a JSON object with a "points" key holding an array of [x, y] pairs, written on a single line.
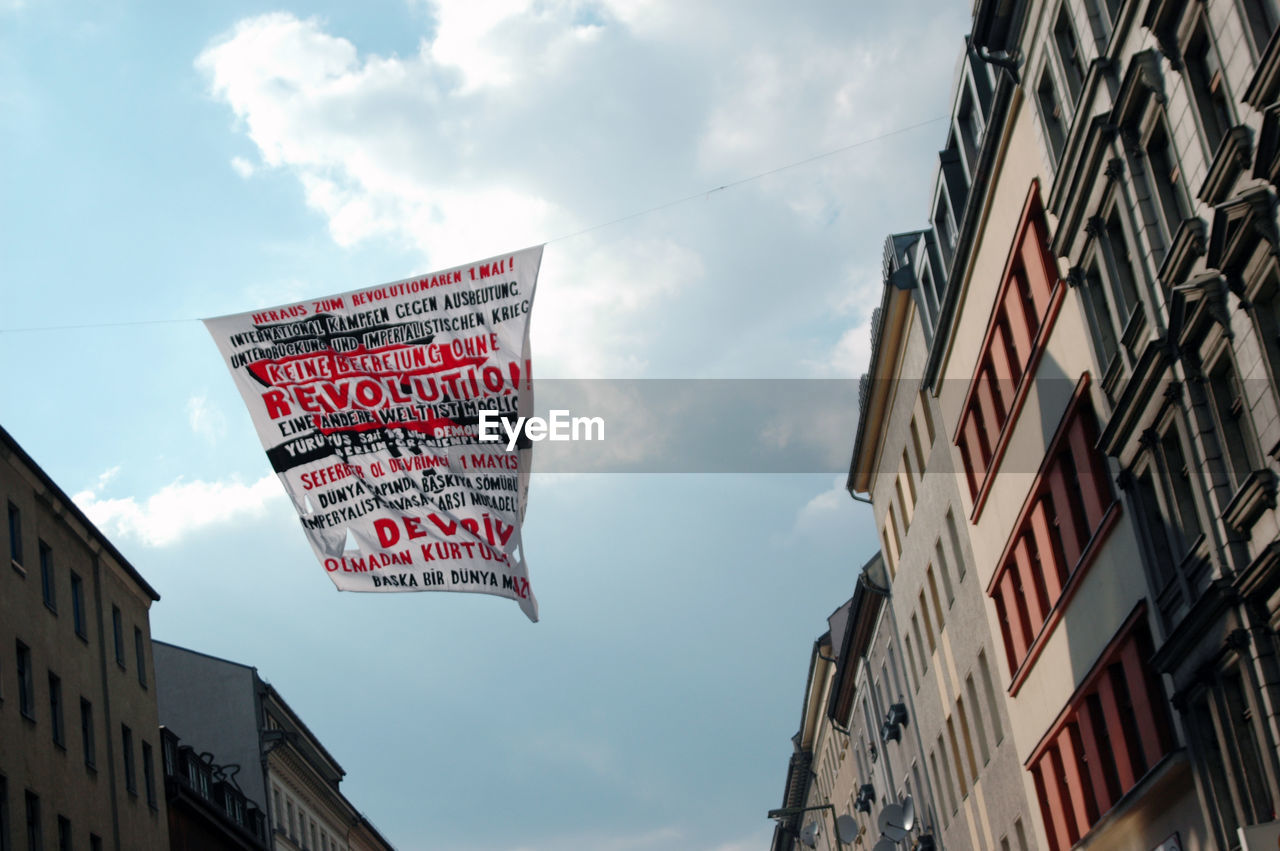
{"points": [[165, 162]]}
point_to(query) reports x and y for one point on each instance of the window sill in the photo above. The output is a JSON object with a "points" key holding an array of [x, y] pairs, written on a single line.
{"points": [[52, 608], [18, 568]]}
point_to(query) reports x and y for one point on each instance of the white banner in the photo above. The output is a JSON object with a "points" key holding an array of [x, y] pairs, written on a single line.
{"points": [[368, 403]]}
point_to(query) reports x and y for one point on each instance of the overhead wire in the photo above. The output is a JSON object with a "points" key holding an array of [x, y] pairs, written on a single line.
{"points": [[630, 216]]}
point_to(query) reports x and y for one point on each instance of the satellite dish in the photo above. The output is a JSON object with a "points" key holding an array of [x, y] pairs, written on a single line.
{"points": [[908, 813], [809, 836], [891, 823], [885, 844], [847, 829]]}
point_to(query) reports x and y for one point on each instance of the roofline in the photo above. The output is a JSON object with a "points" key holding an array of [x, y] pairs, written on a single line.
{"points": [[271, 690], [894, 316], [16, 449], [265, 687], [205, 655], [863, 613]]}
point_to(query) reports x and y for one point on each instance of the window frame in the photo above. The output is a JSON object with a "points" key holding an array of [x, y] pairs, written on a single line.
{"points": [[26, 682], [17, 553], [48, 579]]}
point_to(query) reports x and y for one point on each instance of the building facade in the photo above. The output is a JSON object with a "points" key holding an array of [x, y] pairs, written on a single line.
{"points": [[79, 740], [1096, 302], [226, 708], [206, 807]]}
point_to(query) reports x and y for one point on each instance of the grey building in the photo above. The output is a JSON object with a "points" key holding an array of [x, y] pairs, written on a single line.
{"points": [[227, 709]]}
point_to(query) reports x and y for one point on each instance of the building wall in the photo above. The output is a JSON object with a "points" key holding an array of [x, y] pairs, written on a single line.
{"points": [[226, 708], [211, 702], [89, 790], [944, 640]]}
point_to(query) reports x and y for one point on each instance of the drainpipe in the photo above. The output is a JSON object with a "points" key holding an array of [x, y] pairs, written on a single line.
{"points": [[1008, 63]]}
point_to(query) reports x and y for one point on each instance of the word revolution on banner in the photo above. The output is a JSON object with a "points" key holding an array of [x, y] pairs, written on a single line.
{"points": [[368, 405]]}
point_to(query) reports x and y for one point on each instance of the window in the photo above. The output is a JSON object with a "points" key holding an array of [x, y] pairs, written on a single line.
{"points": [[293, 833], [1230, 413], [941, 558], [955, 754], [149, 774], [1260, 21], [1064, 512], [984, 749], [943, 776], [910, 476], [903, 504], [86, 733], [1169, 520], [924, 657], [1208, 86], [117, 630], [915, 444], [26, 683], [928, 624], [55, 710], [279, 810], [1068, 50], [4, 814], [47, 589], [890, 537], [140, 656], [911, 660], [1170, 185], [953, 533], [1028, 291], [1055, 131], [130, 769], [35, 839], [1102, 18], [1112, 296], [962, 718], [933, 595], [945, 229], [969, 120], [77, 605], [989, 688], [64, 834], [15, 536], [1117, 721], [95, 842]]}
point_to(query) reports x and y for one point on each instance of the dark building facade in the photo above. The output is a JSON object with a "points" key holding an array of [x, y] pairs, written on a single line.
{"points": [[79, 741]]}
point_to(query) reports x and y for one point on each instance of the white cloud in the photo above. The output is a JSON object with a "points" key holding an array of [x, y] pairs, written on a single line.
{"points": [[515, 121], [243, 167], [205, 420], [178, 509], [850, 355]]}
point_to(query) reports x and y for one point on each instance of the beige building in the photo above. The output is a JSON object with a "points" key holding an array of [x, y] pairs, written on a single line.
{"points": [[226, 708], [79, 734], [964, 765], [1103, 367]]}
